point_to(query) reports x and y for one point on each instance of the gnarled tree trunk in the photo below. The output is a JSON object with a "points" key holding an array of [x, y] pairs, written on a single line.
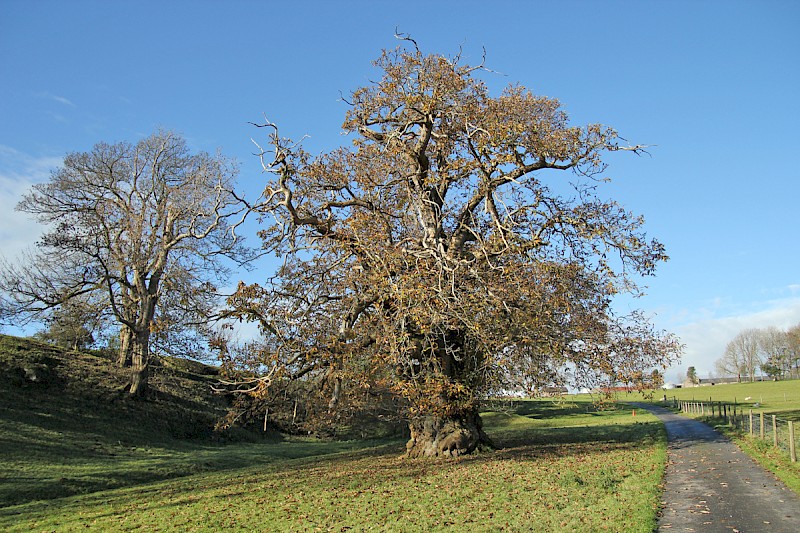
{"points": [[439, 436]]}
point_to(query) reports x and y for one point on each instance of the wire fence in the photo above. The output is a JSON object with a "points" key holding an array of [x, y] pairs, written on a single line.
{"points": [[764, 426]]}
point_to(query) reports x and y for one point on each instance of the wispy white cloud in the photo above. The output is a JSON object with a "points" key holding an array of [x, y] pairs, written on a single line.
{"points": [[55, 98]]}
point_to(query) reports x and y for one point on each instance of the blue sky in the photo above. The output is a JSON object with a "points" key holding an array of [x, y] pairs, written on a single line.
{"points": [[711, 86]]}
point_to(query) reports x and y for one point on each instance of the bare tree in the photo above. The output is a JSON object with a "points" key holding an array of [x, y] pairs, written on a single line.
{"points": [[793, 353], [133, 222], [742, 356], [431, 256], [773, 345]]}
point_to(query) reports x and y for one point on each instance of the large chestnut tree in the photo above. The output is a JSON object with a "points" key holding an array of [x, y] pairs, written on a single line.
{"points": [[457, 247]]}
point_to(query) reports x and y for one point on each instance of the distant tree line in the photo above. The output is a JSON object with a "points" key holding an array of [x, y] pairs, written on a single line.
{"points": [[771, 351]]}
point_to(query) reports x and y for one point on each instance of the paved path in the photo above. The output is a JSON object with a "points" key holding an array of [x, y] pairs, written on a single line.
{"points": [[711, 486]]}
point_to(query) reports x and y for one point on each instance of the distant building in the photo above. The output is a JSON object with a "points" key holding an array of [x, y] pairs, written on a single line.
{"points": [[717, 381]]}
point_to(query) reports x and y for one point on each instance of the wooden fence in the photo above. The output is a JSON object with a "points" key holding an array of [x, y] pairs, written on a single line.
{"points": [[759, 425]]}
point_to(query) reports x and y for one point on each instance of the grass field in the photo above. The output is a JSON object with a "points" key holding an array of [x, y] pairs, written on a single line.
{"points": [[561, 467], [771, 396]]}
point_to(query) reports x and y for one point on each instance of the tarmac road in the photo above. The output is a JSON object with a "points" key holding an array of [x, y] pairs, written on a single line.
{"points": [[711, 486]]}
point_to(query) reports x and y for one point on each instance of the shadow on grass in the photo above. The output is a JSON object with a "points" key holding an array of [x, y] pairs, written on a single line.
{"points": [[628, 434], [44, 463], [301, 460], [793, 415], [544, 409], [52, 447], [353, 473]]}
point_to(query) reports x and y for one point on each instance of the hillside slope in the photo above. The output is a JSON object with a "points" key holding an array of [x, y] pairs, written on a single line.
{"points": [[67, 426], [180, 404]]}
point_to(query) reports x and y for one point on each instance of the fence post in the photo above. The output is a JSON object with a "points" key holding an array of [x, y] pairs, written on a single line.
{"points": [[761, 433], [792, 452], [751, 423], [775, 430]]}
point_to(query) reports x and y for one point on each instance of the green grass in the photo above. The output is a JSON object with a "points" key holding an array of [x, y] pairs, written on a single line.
{"points": [[76, 453], [599, 471], [41, 463]]}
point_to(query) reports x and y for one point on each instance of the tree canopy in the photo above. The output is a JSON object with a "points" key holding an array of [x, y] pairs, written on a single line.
{"points": [[458, 246]]}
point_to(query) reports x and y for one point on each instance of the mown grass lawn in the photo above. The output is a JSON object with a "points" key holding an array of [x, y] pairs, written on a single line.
{"points": [[560, 467]]}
